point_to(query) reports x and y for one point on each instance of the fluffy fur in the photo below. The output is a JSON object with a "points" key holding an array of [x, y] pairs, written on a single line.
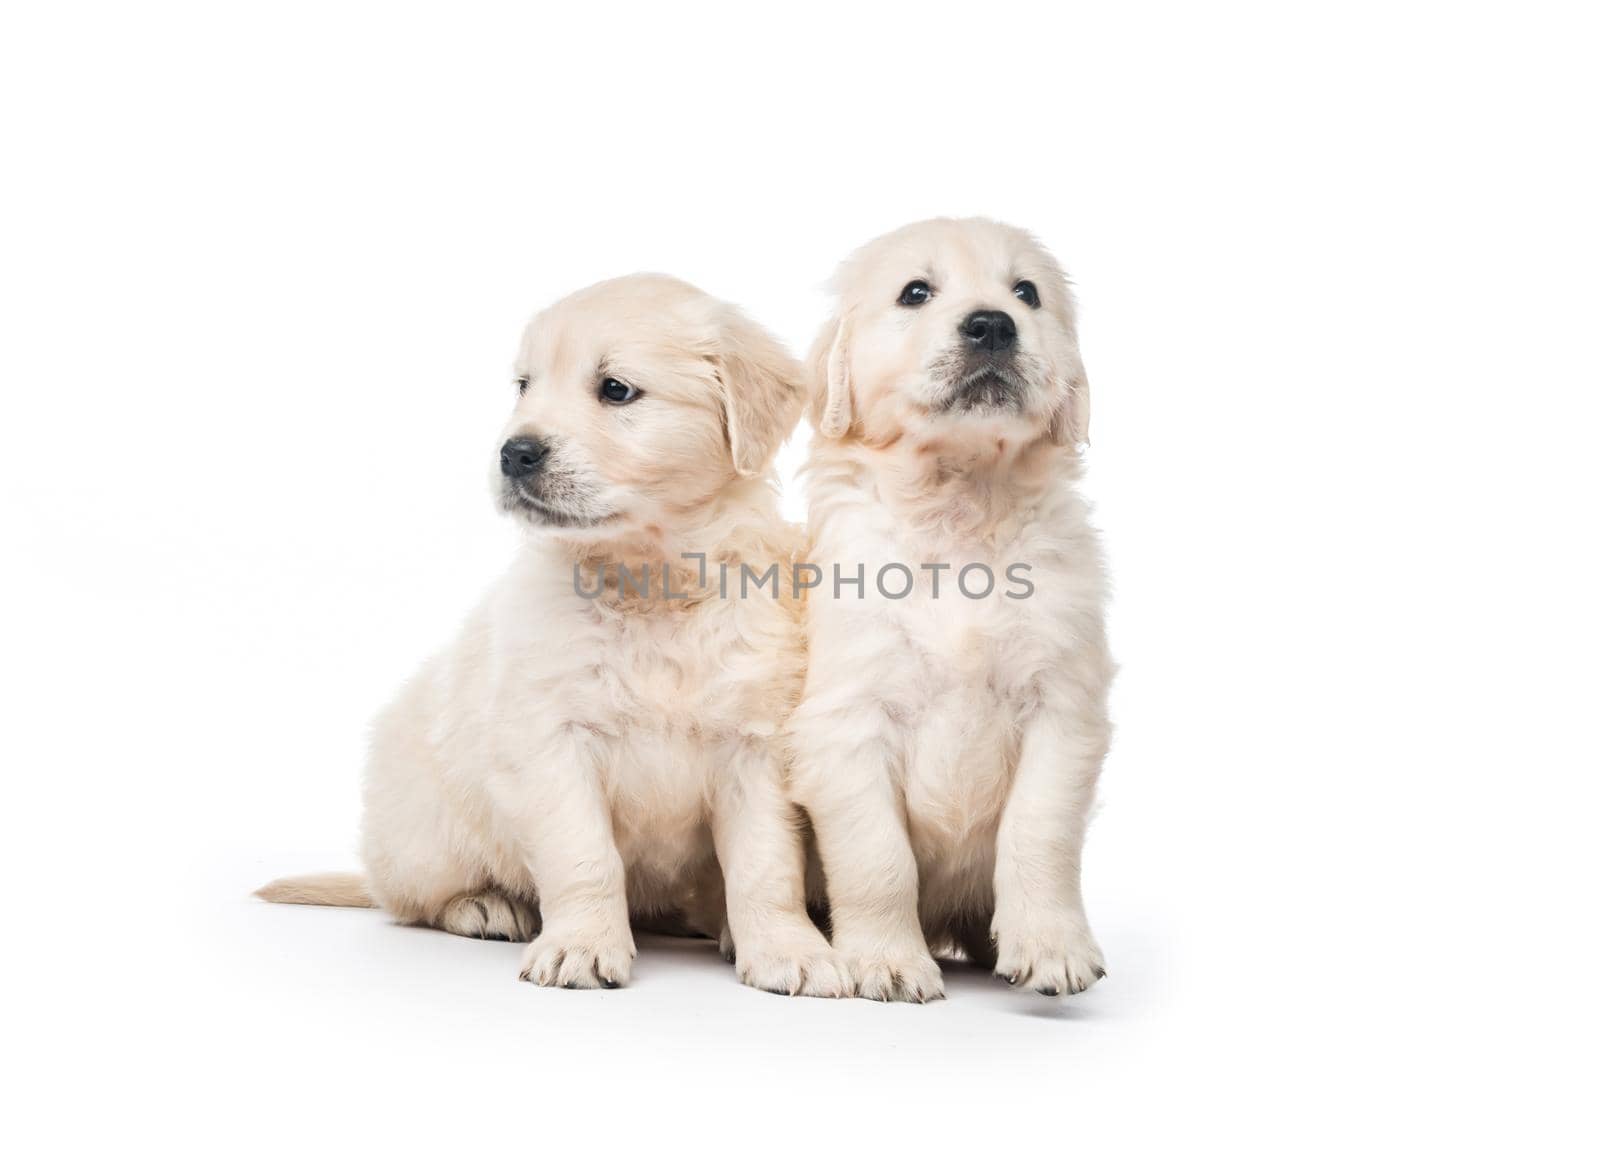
{"points": [[947, 749], [571, 764]]}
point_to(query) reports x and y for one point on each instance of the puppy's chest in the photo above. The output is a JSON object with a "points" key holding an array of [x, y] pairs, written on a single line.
{"points": [[682, 675], [974, 665], [968, 653]]}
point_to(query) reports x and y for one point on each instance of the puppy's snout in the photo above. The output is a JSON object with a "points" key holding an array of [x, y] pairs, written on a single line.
{"points": [[990, 329], [522, 456]]}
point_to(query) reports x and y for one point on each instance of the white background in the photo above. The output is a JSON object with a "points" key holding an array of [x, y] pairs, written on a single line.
{"points": [[264, 270]]}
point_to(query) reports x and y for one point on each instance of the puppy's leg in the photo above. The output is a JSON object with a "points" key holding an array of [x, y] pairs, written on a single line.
{"points": [[860, 826], [1040, 930], [427, 863], [560, 810], [706, 910], [775, 944], [417, 873]]}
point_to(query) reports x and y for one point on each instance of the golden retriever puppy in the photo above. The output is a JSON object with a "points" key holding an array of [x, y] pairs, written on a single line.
{"points": [[607, 729], [954, 715]]}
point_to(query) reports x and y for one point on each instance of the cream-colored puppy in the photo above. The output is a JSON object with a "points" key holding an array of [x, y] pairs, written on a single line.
{"points": [[954, 714], [607, 729]]}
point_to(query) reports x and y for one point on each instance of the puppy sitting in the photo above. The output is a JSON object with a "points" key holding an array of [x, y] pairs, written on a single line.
{"points": [[607, 729], [954, 714]]}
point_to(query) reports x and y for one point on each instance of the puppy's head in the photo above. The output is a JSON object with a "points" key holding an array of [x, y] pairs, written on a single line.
{"points": [[638, 401], [951, 328]]}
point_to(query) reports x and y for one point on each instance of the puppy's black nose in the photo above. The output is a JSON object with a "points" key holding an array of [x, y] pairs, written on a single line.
{"points": [[991, 329], [521, 456]]}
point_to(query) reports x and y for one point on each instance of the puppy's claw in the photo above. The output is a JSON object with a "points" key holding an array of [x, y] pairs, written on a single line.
{"points": [[1051, 962], [569, 960], [805, 968], [904, 977]]}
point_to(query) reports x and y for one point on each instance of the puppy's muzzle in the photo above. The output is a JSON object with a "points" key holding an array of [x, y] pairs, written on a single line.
{"points": [[522, 456], [989, 330], [985, 372]]}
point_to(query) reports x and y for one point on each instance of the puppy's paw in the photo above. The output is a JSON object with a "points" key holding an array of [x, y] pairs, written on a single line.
{"points": [[802, 967], [908, 974], [579, 958], [725, 945], [1061, 961], [490, 916]]}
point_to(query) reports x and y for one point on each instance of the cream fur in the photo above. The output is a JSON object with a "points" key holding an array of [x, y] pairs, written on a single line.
{"points": [[344, 889], [947, 751], [569, 764]]}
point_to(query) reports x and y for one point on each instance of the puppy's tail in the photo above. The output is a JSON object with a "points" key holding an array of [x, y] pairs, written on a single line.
{"points": [[347, 890]]}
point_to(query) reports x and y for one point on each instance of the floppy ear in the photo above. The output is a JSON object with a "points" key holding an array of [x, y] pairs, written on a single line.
{"points": [[1069, 425], [761, 393], [831, 404]]}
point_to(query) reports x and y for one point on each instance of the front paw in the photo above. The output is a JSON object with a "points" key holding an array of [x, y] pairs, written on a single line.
{"points": [[907, 973], [579, 957], [1049, 961], [798, 967]]}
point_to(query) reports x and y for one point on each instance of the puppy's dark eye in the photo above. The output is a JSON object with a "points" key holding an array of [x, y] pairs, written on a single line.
{"points": [[1027, 292], [522, 385], [916, 293], [613, 391]]}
